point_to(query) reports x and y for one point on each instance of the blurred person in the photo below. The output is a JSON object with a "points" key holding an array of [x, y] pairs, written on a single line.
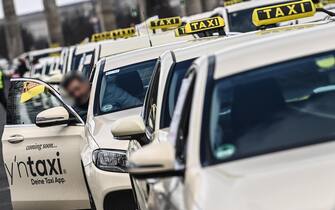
{"points": [[22, 68], [78, 88]]}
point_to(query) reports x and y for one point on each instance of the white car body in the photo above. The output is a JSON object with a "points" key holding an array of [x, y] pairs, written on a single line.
{"points": [[95, 51], [293, 179], [155, 128], [98, 133]]}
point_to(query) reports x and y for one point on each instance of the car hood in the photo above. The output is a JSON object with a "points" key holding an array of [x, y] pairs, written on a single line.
{"points": [[297, 179], [101, 129]]}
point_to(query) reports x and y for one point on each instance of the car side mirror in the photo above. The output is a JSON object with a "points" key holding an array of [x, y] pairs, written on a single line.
{"points": [[52, 117], [154, 161], [130, 128]]}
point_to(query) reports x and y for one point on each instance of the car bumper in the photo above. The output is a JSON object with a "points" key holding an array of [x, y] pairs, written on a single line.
{"points": [[102, 183]]}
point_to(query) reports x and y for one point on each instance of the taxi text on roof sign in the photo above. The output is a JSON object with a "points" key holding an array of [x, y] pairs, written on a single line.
{"points": [[283, 12], [165, 23], [115, 34], [204, 25]]}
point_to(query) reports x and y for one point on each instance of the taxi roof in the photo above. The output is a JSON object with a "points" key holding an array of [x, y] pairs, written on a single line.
{"points": [[182, 54], [84, 48], [258, 53], [252, 4], [112, 47], [140, 55]]}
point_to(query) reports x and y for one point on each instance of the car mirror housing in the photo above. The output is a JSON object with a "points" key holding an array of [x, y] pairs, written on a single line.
{"points": [[52, 117], [142, 165], [129, 128]]}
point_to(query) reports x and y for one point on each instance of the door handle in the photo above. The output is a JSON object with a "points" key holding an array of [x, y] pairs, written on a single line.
{"points": [[15, 139]]}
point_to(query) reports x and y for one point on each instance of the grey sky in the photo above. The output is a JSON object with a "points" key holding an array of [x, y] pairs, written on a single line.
{"points": [[28, 6]]}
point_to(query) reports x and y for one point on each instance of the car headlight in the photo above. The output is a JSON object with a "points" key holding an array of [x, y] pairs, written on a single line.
{"points": [[110, 160]]}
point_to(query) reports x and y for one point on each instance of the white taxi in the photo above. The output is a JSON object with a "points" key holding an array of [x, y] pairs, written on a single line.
{"points": [[237, 115], [164, 89], [118, 89]]}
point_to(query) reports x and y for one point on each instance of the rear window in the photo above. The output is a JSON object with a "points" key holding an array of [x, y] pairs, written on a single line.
{"points": [[274, 108], [125, 87]]}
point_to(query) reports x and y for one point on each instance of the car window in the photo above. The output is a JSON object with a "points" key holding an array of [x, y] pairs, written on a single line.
{"points": [[87, 64], [26, 100], [77, 59], [150, 104], [125, 87], [181, 118], [278, 107], [172, 88]]}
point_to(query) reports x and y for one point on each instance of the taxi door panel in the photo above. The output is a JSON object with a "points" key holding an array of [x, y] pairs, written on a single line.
{"points": [[43, 165]]}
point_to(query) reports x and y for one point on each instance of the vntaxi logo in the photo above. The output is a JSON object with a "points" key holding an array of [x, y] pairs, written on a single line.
{"points": [[165, 23], [204, 25], [45, 171], [283, 12]]}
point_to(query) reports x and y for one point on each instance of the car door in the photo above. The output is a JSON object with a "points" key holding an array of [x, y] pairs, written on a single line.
{"points": [[141, 187], [168, 193], [43, 165]]}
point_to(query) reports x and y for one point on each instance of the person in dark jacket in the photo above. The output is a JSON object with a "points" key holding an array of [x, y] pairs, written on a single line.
{"points": [[78, 88]]}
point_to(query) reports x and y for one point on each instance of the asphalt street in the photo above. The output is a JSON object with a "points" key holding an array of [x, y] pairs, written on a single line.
{"points": [[5, 203]]}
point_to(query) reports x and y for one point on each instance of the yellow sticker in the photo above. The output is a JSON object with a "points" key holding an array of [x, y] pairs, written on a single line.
{"points": [[165, 23], [1, 80], [204, 25], [326, 62], [31, 90], [283, 12], [180, 31]]}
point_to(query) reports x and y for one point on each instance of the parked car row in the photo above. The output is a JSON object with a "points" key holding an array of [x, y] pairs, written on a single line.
{"points": [[233, 113]]}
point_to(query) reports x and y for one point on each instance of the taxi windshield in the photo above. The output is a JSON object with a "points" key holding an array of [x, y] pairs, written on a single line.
{"points": [[172, 88], [125, 87], [278, 107]]}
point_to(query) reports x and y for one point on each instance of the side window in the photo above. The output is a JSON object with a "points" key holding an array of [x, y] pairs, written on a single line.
{"points": [[150, 106], [26, 100], [181, 117]]}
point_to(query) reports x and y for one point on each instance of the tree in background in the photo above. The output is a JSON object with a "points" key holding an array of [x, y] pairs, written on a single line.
{"points": [[12, 30], [76, 28]]}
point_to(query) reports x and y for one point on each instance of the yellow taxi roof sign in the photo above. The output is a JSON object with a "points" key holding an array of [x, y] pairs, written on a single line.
{"points": [[180, 31], [165, 23], [283, 12], [123, 33], [204, 25], [115, 34], [231, 2], [31, 90]]}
